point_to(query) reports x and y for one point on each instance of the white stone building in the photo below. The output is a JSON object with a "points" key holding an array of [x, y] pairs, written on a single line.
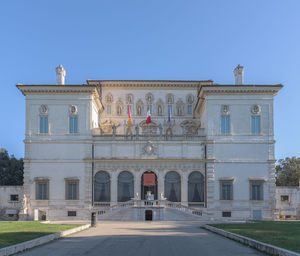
{"points": [[10, 202], [208, 151], [288, 202]]}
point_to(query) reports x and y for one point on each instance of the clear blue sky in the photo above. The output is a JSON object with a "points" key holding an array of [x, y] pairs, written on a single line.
{"points": [[156, 39]]}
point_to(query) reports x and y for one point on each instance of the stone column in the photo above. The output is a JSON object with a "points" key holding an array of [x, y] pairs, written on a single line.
{"points": [[184, 189], [113, 187]]}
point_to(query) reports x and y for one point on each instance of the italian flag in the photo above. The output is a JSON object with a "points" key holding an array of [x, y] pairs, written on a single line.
{"points": [[129, 117], [148, 120]]}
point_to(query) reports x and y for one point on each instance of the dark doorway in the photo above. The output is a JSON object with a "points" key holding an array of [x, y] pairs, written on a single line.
{"points": [[152, 187], [148, 215]]}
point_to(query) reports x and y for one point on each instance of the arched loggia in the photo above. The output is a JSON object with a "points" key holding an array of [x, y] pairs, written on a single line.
{"points": [[125, 186], [102, 187], [196, 187], [173, 187]]}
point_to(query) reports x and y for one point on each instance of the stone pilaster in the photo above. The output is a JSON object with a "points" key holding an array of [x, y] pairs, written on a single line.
{"points": [[184, 189], [160, 184], [88, 183], [210, 185], [272, 189], [210, 176], [137, 183], [113, 187]]}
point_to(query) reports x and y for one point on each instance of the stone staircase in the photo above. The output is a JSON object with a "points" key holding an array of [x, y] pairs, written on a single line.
{"points": [[135, 210]]}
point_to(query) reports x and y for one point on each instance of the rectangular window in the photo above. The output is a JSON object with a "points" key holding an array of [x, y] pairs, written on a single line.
{"points": [[42, 190], [190, 109], [225, 124], [73, 124], [226, 189], [285, 198], [226, 214], [256, 190], [72, 189], [108, 109], [255, 125], [71, 213], [14, 197], [44, 124]]}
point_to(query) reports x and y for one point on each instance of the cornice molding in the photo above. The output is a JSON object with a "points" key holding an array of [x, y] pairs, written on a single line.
{"points": [[153, 83], [57, 89], [240, 89], [234, 90]]}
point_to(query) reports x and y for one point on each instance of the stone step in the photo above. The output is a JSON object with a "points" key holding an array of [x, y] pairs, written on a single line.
{"points": [[158, 214]]}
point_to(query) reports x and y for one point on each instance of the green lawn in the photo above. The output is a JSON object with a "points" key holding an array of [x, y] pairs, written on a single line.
{"points": [[14, 232], [284, 234]]}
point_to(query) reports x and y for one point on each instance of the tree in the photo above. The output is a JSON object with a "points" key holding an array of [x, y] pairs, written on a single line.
{"points": [[288, 172], [11, 169]]}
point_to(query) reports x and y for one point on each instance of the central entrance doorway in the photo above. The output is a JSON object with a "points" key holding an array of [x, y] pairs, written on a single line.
{"points": [[149, 186], [148, 215]]}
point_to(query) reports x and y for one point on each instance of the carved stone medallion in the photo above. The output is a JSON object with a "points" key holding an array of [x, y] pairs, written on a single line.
{"points": [[149, 149]]}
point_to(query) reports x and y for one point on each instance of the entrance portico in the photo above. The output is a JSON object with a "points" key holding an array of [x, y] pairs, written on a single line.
{"points": [[185, 184]]}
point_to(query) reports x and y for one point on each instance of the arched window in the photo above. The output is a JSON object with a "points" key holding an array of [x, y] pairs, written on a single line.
{"points": [[225, 120], [109, 98], [190, 101], [173, 187], [170, 101], [196, 187], [102, 187], [170, 98], [73, 119], [129, 99], [125, 186], [44, 127], [149, 101]]}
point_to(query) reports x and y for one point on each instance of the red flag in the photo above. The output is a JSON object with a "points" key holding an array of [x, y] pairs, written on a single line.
{"points": [[149, 179]]}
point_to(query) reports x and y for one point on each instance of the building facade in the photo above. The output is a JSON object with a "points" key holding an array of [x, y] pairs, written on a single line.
{"points": [[209, 148]]}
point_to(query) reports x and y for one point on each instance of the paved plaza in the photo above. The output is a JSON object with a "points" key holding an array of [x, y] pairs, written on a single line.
{"points": [[144, 238]]}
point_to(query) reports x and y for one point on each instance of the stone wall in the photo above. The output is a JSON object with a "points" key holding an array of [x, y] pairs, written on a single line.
{"points": [[10, 202], [288, 202]]}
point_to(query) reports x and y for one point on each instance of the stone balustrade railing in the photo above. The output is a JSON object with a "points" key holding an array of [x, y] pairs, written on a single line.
{"points": [[174, 137], [151, 203]]}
